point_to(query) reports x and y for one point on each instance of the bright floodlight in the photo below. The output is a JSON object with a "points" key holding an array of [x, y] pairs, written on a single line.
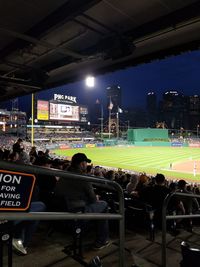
{"points": [[89, 81]]}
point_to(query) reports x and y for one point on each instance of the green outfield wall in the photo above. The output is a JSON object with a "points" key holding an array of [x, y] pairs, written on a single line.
{"points": [[152, 143], [147, 134]]}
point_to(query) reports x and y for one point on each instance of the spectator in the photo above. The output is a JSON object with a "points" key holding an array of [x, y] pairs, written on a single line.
{"points": [[24, 230], [80, 195], [142, 184], [46, 153], [33, 152], [154, 195], [190, 205], [13, 157], [131, 186], [110, 175], [46, 183], [18, 146], [24, 158]]}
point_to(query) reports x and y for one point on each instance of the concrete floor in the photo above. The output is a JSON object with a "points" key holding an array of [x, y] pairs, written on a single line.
{"points": [[47, 251]]}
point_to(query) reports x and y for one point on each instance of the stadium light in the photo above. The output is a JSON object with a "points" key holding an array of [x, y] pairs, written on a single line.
{"points": [[89, 81]]}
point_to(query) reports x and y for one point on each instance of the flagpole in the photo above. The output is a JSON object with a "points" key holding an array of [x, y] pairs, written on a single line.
{"points": [[117, 125], [101, 122]]}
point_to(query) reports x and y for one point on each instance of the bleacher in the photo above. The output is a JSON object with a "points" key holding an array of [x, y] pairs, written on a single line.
{"points": [[140, 216]]}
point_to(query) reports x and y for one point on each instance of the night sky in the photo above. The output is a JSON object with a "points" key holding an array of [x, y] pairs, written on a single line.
{"points": [[181, 73]]}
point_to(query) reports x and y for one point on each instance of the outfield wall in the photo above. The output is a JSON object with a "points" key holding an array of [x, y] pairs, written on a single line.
{"points": [[83, 145], [152, 143], [169, 144], [140, 135]]}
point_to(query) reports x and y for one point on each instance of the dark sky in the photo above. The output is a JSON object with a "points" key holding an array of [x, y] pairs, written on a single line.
{"points": [[181, 73]]}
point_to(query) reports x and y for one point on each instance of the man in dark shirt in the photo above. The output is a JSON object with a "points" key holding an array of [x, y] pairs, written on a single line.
{"points": [[190, 204], [17, 147], [79, 194], [155, 195]]}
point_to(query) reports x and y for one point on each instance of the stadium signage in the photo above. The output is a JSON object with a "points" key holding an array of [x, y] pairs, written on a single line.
{"points": [[15, 190], [65, 97], [176, 144], [194, 145]]}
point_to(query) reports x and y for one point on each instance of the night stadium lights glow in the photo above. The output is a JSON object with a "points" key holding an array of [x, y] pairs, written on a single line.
{"points": [[89, 81]]}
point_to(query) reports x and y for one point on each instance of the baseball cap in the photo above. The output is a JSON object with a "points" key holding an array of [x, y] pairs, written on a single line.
{"points": [[80, 157], [181, 183]]}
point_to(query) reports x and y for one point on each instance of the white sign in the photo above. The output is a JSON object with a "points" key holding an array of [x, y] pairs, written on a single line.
{"points": [[65, 97]]}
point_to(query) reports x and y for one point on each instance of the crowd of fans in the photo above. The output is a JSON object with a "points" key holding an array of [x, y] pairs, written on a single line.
{"points": [[140, 188], [58, 135]]}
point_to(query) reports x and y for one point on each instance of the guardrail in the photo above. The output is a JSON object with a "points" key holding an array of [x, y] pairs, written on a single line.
{"points": [[166, 217], [68, 216]]}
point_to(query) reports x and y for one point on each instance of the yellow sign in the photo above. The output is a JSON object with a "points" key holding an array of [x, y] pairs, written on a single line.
{"points": [[42, 110]]}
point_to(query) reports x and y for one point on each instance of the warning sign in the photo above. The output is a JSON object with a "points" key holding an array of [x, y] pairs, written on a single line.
{"points": [[15, 190]]}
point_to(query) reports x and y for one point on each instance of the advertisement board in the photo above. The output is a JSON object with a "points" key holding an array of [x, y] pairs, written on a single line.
{"points": [[176, 144], [42, 110]]}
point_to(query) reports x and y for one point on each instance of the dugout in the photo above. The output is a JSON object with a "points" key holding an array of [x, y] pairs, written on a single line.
{"points": [[148, 137]]}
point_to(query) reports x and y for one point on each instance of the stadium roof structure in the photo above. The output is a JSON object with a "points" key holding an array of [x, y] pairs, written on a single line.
{"points": [[48, 43]]}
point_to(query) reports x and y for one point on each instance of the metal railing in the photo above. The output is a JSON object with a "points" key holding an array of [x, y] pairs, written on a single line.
{"points": [[166, 217], [68, 215]]}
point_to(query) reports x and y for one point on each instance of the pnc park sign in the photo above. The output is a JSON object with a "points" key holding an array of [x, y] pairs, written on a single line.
{"points": [[16, 190]]}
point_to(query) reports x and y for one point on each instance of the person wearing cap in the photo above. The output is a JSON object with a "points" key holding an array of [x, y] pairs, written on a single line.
{"points": [[80, 195]]}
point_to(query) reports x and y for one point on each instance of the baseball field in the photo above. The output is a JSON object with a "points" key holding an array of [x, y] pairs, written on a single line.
{"points": [[173, 162]]}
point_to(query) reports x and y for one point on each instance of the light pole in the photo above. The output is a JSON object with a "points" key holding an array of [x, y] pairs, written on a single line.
{"points": [[117, 115], [197, 130], [128, 125]]}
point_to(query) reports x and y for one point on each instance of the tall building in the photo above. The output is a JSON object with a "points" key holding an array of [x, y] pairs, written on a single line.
{"points": [[173, 109], [151, 105], [194, 111]]}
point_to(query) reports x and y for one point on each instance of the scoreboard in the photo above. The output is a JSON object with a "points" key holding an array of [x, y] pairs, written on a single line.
{"points": [[64, 112], [61, 110]]}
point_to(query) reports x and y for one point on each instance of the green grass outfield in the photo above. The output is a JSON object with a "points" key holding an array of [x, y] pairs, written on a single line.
{"points": [[151, 160]]}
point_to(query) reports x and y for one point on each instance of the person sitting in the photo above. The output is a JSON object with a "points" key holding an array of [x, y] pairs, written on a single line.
{"points": [[131, 186], [154, 195], [24, 230], [79, 195], [33, 152], [190, 205], [18, 146], [141, 185], [46, 183]]}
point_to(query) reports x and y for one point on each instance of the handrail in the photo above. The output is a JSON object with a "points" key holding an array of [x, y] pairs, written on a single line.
{"points": [[68, 216], [170, 217]]}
